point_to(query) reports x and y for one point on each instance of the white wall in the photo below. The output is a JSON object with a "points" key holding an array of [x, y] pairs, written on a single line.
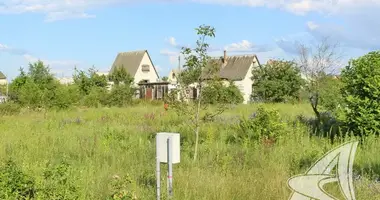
{"points": [[3, 81], [245, 85], [140, 75], [170, 77]]}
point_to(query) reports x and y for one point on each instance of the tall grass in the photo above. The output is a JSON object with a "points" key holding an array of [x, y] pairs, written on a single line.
{"points": [[99, 144]]}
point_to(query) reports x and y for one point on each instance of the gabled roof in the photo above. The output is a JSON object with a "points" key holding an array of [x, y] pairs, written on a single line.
{"points": [[2, 76], [130, 61], [236, 67]]}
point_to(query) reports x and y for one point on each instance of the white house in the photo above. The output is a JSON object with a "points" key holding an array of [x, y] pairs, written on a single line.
{"points": [[238, 69], [172, 77], [3, 83], [66, 80], [138, 64]]}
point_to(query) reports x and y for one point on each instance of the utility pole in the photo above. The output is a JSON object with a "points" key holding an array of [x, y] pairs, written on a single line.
{"points": [[179, 66]]}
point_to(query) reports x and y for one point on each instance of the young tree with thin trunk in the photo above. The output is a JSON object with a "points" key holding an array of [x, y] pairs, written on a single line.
{"points": [[316, 62], [198, 72]]}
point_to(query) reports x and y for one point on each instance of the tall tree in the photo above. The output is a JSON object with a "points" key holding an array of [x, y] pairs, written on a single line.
{"points": [[276, 81], [316, 62]]}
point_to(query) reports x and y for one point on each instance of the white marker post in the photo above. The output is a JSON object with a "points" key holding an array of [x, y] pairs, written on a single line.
{"points": [[167, 151], [170, 168]]}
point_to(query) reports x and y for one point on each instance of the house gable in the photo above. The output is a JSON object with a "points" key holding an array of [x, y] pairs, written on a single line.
{"points": [[138, 64], [146, 71]]}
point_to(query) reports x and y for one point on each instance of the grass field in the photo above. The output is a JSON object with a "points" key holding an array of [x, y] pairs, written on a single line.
{"points": [[100, 144]]}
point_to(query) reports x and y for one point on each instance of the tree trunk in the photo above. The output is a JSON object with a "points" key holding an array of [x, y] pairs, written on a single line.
{"points": [[197, 123]]}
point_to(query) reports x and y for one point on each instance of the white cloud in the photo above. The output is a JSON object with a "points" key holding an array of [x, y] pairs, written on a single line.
{"points": [[362, 34], [67, 9], [247, 46]]}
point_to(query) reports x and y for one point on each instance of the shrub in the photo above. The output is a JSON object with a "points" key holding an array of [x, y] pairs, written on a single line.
{"points": [[96, 97], [216, 93], [264, 124], [120, 95], [15, 184], [121, 189], [59, 183], [362, 94], [65, 97]]}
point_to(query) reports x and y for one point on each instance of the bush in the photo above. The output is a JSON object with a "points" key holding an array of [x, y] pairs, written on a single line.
{"points": [[97, 97], [120, 95], [361, 93], [121, 189], [15, 184], [217, 93], [264, 124], [58, 183]]}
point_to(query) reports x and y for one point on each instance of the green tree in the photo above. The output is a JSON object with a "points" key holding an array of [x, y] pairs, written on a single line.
{"points": [[330, 97], [361, 93], [315, 63], [16, 85], [37, 88], [86, 81], [199, 71], [120, 75], [165, 78], [276, 81]]}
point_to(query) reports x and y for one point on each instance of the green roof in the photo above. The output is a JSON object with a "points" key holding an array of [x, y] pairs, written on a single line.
{"points": [[2, 76]]}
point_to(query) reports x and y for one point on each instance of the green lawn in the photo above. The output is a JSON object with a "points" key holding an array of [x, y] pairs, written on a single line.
{"points": [[100, 143]]}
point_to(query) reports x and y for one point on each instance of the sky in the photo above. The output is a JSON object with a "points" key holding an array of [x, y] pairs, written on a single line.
{"points": [[65, 34]]}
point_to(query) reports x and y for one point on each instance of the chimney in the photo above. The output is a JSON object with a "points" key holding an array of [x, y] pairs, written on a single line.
{"points": [[225, 57]]}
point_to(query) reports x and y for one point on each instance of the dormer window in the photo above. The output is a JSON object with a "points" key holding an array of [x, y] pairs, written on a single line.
{"points": [[145, 68]]}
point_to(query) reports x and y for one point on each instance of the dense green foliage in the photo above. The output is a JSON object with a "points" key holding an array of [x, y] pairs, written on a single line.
{"points": [[276, 81], [217, 93], [362, 94], [330, 97], [38, 89]]}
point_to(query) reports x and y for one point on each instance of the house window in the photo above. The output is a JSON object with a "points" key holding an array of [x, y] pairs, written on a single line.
{"points": [[145, 68], [173, 76]]}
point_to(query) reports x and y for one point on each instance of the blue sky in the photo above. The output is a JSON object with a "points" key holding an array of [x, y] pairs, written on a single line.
{"points": [[67, 33]]}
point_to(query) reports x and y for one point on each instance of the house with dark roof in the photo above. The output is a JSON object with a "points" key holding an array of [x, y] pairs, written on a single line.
{"points": [[237, 69], [138, 64]]}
